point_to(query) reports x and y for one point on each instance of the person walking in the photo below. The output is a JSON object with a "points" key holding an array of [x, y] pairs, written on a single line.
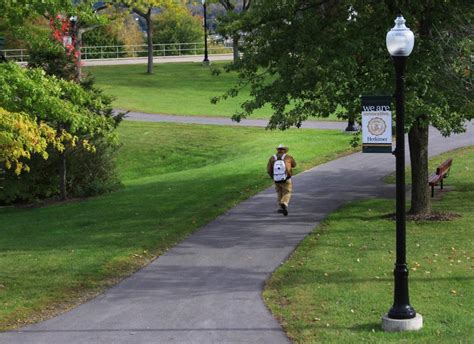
{"points": [[280, 169]]}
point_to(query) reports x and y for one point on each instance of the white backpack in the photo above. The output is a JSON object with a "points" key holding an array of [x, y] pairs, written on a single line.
{"points": [[279, 169]]}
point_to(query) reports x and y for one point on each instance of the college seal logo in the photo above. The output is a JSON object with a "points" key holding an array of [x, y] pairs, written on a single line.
{"points": [[377, 126]]}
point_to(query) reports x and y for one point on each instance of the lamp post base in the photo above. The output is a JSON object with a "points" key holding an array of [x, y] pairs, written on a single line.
{"points": [[401, 325], [206, 62]]}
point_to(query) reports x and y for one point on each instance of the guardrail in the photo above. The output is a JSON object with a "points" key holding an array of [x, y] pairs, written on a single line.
{"points": [[19, 55], [164, 50], [134, 51]]}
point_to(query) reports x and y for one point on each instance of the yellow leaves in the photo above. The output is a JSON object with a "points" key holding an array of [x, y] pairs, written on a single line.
{"points": [[88, 146], [21, 136]]}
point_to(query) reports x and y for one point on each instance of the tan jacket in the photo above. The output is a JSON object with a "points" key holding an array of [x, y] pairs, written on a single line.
{"points": [[289, 162]]}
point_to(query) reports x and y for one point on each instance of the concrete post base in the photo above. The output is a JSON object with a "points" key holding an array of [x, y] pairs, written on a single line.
{"points": [[399, 325]]}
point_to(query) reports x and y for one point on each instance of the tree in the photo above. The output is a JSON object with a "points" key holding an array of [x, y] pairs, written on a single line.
{"points": [[229, 26], [144, 9], [177, 25], [78, 116], [337, 52]]}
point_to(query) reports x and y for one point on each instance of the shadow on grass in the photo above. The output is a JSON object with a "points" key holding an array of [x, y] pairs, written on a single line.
{"points": [[367, 327]]}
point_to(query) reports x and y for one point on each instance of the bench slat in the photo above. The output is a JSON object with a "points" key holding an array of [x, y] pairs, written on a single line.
{"points": [[444, 167], [434, 179]]}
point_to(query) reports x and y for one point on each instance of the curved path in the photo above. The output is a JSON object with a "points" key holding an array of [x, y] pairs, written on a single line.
{"points": [[148, 117], [207, 289]]}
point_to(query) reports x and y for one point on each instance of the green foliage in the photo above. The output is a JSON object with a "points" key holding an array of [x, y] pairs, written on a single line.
{"points": [[177, 25], [331, 60], [83, 119], [51, 57], [41, 182], [15, 12], [100, 37], [124, 30], [56, 101]]}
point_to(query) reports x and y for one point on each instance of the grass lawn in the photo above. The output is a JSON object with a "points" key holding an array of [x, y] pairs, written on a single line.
{"points": [[338, 283], [177, 178], [175, 88]]}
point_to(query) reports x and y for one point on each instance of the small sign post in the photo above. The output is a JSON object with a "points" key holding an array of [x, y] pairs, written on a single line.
{"points": [[376, 124]]}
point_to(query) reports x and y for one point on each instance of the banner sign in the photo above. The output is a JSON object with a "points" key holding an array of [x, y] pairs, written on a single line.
{"points": [[376, 124]]}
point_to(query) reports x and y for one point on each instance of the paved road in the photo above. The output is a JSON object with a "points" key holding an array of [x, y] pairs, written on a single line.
{"points": [[158, 59], [207, 289], [147, 117]]}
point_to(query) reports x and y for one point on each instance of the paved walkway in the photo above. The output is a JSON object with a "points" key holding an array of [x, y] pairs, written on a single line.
{"points": [[207, 289], [157, 59], [147, 117]]}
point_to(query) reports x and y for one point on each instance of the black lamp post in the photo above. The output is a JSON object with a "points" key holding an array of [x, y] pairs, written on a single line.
{"points": [[400, 41], [206, 57]]}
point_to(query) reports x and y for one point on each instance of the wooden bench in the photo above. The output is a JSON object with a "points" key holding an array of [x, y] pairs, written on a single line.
{"points": [[442, 171]]}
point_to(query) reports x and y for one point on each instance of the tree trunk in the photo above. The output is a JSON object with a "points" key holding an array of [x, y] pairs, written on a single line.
{"points": [[149, 32], [420, 196], [235, 47], [62, 176], [78, 45]]}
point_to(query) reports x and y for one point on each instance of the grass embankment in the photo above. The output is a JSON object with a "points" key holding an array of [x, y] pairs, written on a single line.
{"points": [[174, 88], [338, 283], [177, 178]]}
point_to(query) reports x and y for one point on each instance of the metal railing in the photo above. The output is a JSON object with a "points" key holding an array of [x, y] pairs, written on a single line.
{"points": [[19, 55], [134, 51]]}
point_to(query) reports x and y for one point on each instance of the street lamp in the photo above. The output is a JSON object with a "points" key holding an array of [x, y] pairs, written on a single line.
{"points": [[402, 316], [206, 57]]}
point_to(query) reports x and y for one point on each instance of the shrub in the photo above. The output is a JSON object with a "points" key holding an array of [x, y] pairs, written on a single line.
{"points": [[82, 119]]}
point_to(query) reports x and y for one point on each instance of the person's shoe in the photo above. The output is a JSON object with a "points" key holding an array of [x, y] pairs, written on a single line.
{"points": [[280, 211], [284, 210]]}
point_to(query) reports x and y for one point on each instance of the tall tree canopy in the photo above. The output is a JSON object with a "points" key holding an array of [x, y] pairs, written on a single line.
{"points": [[311, 58]]}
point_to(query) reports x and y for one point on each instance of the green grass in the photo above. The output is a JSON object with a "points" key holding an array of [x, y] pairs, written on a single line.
{"points": [[177, 178], [175, 88], [338, 283], [432, 165]]}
